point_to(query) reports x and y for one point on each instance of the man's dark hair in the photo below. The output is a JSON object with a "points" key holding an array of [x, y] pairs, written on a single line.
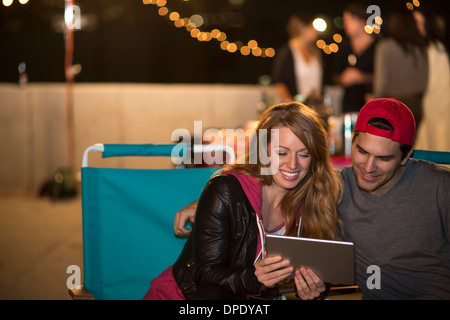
{"points": [[357, 9], [383, 124]]}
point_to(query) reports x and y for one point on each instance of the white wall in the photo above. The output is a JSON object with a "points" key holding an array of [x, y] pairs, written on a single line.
{"points": [[33, 137]]}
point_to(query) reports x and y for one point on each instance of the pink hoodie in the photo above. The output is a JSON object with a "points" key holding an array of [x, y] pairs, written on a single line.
{"points": [[253, 190]]}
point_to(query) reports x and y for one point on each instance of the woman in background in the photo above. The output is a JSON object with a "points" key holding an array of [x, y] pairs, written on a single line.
{"points": [[297, 70], [436, 100], [401, 64]]}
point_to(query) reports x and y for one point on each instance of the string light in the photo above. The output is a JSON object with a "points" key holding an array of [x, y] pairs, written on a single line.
{"points": [[319, 24], [334, 47], [375, 28], [329, 48], [193, 23], [7, 3], [415, 3], [337, 38], [320, 44]]}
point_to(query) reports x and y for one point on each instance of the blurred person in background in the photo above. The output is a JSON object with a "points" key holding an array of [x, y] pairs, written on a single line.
{"points": [[434, 130], [401, 63], [297, 71], [355, 59]]}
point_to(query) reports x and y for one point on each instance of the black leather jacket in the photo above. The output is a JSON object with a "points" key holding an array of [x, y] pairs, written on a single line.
{"points": [[217, 259]]}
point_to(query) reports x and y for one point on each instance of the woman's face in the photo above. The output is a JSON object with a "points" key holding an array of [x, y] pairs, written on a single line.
{"points": [[420, 21], [307, 32], [310, 34], [290, 159]]}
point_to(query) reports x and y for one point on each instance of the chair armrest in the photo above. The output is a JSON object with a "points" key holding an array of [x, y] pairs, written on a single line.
{"points": [[342, 292], [80, 294]]}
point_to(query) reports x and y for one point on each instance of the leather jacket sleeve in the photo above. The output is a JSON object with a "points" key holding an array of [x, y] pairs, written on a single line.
{"points": [[222, 235]]}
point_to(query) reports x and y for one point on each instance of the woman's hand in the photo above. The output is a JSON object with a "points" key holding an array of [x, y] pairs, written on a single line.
{"points": [[272, 270], [309, 285]]}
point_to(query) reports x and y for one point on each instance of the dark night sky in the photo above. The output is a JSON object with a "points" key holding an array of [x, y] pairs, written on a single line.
{"points": [[128, 41]]}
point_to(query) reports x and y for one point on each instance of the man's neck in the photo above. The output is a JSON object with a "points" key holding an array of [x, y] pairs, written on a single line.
{"points": [[360, 42], [382, 190]]}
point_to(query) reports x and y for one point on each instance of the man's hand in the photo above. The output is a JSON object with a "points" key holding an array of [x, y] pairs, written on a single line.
{"points": [[309, 285], [182, 217], [351, 76]]}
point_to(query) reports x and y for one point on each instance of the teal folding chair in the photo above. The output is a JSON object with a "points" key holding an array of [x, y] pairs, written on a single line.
{"points": [[441, 157], [128, 217]]}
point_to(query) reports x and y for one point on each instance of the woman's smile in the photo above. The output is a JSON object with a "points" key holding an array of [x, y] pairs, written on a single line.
{"points": [[288, 175]]}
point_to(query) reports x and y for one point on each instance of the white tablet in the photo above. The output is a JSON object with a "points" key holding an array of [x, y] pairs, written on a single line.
{"points": [[332, 261]]}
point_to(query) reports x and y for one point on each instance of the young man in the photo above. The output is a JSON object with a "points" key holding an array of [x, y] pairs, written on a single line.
{"points": [[354, 64], [395, 209]]}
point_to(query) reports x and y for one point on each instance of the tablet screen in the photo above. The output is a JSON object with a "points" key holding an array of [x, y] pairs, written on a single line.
{"points": [[332, 261]]}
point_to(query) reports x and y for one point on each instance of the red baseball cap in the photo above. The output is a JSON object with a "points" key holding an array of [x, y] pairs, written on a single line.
{"points": [[392, 110]]}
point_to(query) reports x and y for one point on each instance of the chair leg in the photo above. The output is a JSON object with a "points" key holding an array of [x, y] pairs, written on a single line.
{"points": [[80, 294]]}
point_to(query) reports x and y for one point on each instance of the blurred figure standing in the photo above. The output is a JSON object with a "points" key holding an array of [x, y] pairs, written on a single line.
{"points": [[434, 132], [401, 64], [297, 70], [355, 59]]}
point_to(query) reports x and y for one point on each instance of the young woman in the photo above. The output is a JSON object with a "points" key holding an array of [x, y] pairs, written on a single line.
{"points": [[224, 256], [297, 70], [401, 63]]}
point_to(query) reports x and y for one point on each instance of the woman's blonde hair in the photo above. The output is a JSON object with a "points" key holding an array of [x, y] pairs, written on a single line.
{"points": [[318, 194]]}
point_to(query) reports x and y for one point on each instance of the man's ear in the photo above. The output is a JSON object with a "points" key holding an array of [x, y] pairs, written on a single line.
{"points": [[405, 161]]}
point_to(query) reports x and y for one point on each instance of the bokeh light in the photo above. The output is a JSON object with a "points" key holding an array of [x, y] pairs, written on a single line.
{"points": [[193, 24], [319, 24]]}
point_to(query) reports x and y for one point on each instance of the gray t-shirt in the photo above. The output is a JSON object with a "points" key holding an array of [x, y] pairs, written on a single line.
{"points": [[405, 233]]}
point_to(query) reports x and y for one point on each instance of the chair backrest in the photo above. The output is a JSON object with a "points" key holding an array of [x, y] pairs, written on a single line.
{"points": [[128, 217], [441, 157]]}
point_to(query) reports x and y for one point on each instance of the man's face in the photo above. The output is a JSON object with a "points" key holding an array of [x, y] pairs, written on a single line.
{"points": [[352, 24], [376, 162]]}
